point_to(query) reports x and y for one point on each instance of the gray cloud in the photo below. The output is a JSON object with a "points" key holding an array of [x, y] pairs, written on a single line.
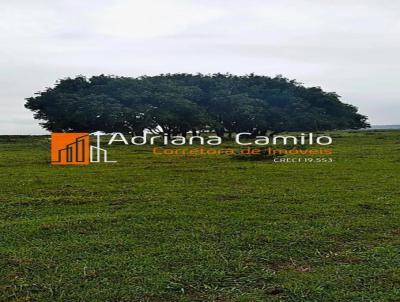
{"points": [[349, 46]]}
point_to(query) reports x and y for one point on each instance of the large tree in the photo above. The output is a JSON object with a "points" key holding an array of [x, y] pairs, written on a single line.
{"points": [[178, 103]]}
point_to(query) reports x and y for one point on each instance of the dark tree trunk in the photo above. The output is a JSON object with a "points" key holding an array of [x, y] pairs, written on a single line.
{"points": [[220, 132], [168, 132], [184, 132], [139, 132]]}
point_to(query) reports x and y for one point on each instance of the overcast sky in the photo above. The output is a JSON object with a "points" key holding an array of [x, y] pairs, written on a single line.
{"points": [[350, 47]]}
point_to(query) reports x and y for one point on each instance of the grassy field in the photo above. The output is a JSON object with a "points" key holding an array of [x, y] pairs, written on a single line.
{"points": [[205, 228]]}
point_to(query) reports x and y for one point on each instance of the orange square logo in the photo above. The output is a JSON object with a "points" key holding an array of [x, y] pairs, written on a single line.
{"points": [[70, 149]]}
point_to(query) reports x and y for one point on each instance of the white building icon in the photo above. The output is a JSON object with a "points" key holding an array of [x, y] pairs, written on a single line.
{"points": [[96, 152]]}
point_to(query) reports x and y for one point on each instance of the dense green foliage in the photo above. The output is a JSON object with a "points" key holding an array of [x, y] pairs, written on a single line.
{"points": [[205, 228], [178, 103]]}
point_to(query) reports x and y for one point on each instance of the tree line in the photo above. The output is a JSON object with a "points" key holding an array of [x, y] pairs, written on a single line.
{"points": [[175, 104]]}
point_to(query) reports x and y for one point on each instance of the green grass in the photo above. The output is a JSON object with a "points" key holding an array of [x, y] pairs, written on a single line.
{"points": [[206, 228]]}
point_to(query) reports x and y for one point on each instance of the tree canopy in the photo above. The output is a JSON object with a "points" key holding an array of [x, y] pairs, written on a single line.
{"points": [[177, 103]]}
